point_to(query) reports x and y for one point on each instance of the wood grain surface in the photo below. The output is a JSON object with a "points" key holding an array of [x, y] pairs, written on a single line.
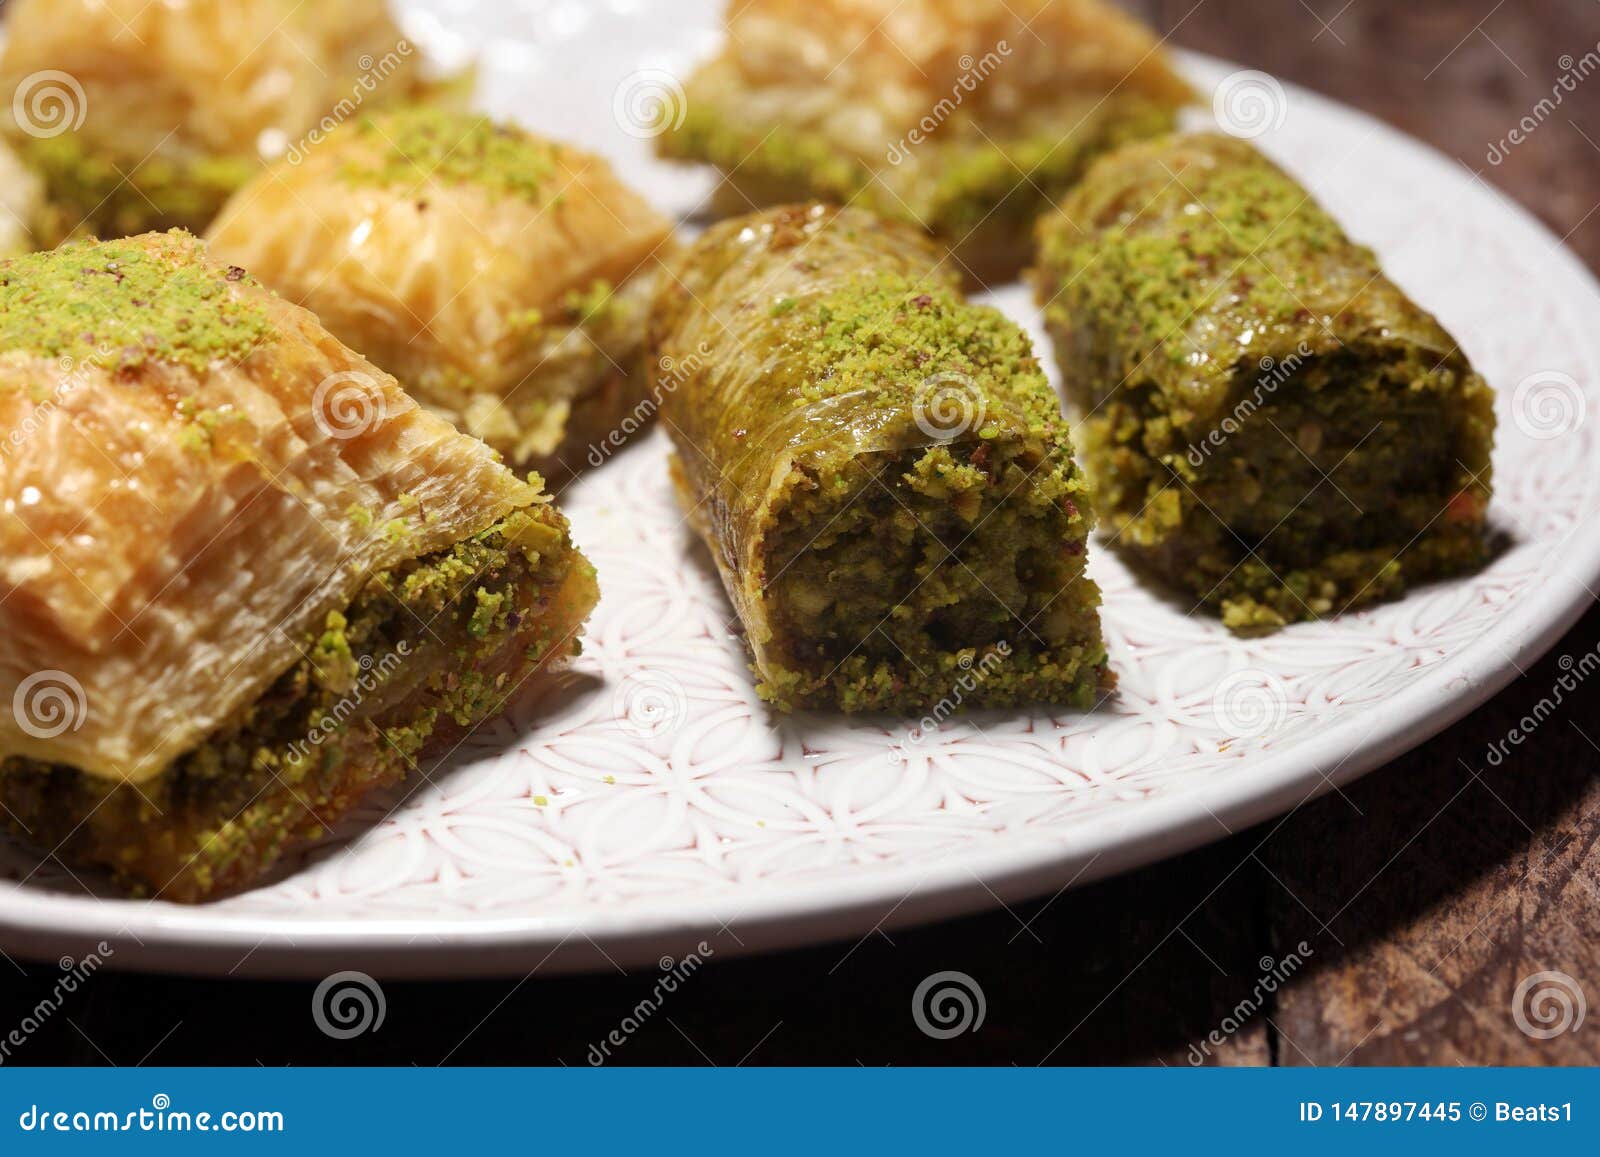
{"points": [[1409, 908]]}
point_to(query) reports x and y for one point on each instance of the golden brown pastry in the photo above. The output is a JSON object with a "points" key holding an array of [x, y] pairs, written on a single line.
{"points": [[243, 577], [967, 117], [147, 114], [503, 277]]}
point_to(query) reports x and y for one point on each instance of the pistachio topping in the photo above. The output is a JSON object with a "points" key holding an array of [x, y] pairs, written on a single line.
{"points": [[429, 143], [887, 332], [121, 304]]}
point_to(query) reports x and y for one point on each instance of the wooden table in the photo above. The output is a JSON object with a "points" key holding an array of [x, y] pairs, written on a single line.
{"points": [[1424, 894]]}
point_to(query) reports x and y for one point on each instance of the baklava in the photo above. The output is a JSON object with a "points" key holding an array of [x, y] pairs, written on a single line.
{"points": [[965, 117], [1270, 423], [148, 114], [504, 278], [244, 579], [879, 469]]}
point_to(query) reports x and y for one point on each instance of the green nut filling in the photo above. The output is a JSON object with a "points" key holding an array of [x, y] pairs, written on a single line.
{"points": [[902, 570], [898, 569], [420, 647]]}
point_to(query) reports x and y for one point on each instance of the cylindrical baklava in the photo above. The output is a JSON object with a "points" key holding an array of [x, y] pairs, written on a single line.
{"points": [[1270, 423], [879, 468]]}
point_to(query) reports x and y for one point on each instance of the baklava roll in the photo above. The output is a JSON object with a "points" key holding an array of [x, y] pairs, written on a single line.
{"points": [[148, 114], [965, 117], [879, 469], [244, 579], [502, 277], [1270, 423]]}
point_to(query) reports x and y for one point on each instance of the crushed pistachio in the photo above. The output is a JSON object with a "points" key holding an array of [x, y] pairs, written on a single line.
{"points": [[588, 306], [120, 304], [425, 142]]}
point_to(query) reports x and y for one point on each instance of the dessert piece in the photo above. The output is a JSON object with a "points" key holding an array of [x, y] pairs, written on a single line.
{"points": [[244, 579], [502, 277], [1270, 423], [968, 117], [147, 114], [879, 469]]}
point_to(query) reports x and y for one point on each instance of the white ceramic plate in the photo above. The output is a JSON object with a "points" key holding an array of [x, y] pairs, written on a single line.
{"points": [[651, 801]]}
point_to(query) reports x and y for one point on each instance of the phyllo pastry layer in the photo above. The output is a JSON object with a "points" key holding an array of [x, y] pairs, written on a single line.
{"points": [[966, 117], [1270, 423], [147, 114], [504, 278], [879, 469], [244, 578]]}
